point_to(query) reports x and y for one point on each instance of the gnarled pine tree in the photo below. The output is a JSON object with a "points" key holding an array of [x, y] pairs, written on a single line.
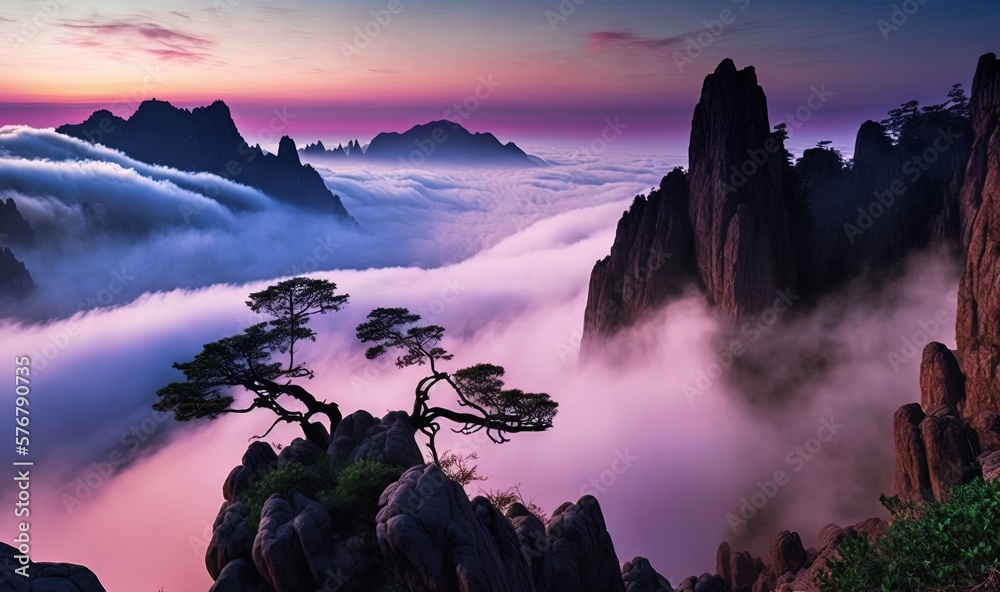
{"points": [[248, 360]]}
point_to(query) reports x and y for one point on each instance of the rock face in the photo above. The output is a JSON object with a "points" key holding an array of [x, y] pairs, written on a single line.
{"points": [[45, 576], [978, 327], [206, 140], [14, 229], [941, 380], [739, 217], [912, 479], [651, 260], [639, 576], [437, 142], [436, 540], [15, 281], [756, 227], [359, 436], [787, 553]]}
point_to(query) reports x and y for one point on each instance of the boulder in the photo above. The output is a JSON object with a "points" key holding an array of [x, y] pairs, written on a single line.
{"points": [[232, 538], [912, 479], [949, 454], [258, 460], [787, 553], [941, 379], [581, 556], [45, 576], [436, 540], [390, 440], [638, 575]]}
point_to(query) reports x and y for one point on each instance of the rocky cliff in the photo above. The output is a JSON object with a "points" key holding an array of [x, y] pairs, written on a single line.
{"points": [[14, 229], [978, 328], [958, 418], [15, 281], [205, 139], [745, 225]]}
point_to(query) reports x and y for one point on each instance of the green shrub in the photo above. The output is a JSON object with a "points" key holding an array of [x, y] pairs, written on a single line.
{"points": [[948, 545], [350, 492], [359, 486]]}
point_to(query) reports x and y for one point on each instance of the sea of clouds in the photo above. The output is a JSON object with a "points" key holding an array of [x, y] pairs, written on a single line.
{"points": [[668, 440]]}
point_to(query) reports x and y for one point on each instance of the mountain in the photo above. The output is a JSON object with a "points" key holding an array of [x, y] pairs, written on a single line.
{"points": [[747, 227], [205, 139], [14, 229], [15, 281], [435, 143]]}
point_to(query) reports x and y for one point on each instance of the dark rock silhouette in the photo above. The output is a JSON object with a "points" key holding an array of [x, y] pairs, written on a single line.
{"points": [[651, 260], [435, 539], [14, 229], [15, 281], [437, 142], [739, 216], [205, 139], [639, 576], [747, 226], [45, 576], [359, 436]]}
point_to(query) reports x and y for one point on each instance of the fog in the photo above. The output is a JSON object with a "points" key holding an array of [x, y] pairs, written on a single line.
{"points": [[669, 440]]}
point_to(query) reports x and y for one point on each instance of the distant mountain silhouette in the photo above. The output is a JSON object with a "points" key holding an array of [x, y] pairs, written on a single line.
{"points": [[205, 139], [434, 143]]}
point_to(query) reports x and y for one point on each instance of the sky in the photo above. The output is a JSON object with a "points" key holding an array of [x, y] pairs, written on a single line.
{"points": [[542, 73]]}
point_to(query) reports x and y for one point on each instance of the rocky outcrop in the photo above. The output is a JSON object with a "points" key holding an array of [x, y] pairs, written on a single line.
{"points": [[933, 452], [941, 379], [949, 454], [436, 540], [736, 568], [787, 553], [703, 583], [14, 228], [651, 260], [359, 436], [206, 140], [978, 327], [638, 575], [44, 576], [15, 281], [739, 217], [758, 226], [912, 479]]}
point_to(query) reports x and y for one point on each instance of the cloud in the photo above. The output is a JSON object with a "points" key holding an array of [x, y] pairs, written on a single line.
{"points": [[509, 282], [156, 40], [628, 39]]}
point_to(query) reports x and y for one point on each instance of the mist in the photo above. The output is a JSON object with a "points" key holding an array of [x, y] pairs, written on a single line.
{"points": [[502, 260]]}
